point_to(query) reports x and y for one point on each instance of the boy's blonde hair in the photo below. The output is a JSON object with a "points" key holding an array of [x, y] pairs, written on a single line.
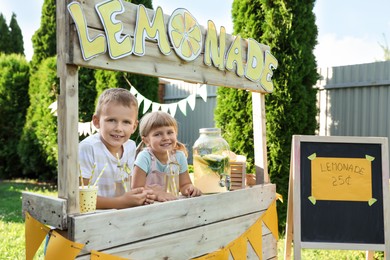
{"points": [[154, 120], [116, 95]]}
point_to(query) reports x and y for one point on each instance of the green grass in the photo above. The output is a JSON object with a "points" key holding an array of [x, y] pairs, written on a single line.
{"points": [[12, 241]]}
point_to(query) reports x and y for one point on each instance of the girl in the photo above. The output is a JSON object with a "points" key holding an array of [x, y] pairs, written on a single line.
{"points": [[158, 131]]}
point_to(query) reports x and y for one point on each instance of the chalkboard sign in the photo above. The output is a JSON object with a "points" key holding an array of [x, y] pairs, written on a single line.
{"points": [[340, 193]]}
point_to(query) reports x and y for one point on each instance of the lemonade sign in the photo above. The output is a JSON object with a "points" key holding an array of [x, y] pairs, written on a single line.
{"points": [[182, 33]]}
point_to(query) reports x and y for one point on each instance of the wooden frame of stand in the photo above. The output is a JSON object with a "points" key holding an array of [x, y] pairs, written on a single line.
{"points": [[135, 232]]}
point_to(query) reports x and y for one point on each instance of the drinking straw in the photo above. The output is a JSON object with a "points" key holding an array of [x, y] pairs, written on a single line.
{"points": [[171, 180], [92, 173], [100, 175], [120, 172], [81, 177]]}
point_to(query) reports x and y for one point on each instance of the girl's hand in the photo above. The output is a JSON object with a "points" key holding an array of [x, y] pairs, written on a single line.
{"points": [[191, 191], [161, 195]]}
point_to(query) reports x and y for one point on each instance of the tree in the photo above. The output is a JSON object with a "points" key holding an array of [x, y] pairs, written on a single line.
{"points": [[44, 39], [4, 35], [14, 80], [38, 145], [288, 27], [16, 37]]}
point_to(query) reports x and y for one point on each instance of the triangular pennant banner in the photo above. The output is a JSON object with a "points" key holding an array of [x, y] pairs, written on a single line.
{"points": [[192, 101], [164, 107], [95, 255], [255, 238], [218, 255], [238, 247], [270, 219], [53, 108], [172, 109], [147, 104], [155, 106], [35, 232], [62, 248], [202, 92], [183, 106], [133, 91], [140, 98], [84, 128]]}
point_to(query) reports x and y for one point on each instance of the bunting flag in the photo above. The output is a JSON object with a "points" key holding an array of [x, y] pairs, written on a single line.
{"points": [[35, 232], [238, 247], [255, 238], [253, 235], [270, 219], [201, 90], [183, 106], [88, 128], [62, 248]]}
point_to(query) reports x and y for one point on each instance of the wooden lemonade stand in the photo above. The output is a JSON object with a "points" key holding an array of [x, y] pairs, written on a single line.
{"points": [[229, 225]]}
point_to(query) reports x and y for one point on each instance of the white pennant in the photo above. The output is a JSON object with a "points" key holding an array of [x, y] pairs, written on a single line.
{"points": [[133, 91], [84, 128], [164, 107], [53, 108], [172, 109], [140, 98], [155, 106], [183, 106], [202, 92], [147, 104], [192, 101]]}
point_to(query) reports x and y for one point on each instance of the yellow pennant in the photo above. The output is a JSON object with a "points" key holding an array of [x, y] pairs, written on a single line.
{"points": [[222, 254], [35, 232], [62, 248], [95, 255], [255, 238], [270, 219], [238, 248]]}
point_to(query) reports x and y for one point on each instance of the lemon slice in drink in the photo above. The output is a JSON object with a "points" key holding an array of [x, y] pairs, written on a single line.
{"points": [[185, 34]]}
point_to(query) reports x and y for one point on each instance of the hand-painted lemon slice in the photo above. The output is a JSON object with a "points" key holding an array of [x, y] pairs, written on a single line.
{"points": [[185, 34]]}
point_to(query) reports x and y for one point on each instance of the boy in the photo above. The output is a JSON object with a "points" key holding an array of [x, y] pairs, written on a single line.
{"points": [[111, 151]]}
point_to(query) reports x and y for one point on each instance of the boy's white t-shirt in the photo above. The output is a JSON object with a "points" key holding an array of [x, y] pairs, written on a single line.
{"points": [[92, 150]]}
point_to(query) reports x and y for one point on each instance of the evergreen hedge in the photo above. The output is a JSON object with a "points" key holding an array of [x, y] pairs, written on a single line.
{"points": [[38, 146], [14, 81]]}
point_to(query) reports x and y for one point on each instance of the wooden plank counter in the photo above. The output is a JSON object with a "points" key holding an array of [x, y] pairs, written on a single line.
{"points": [[181, 229]]}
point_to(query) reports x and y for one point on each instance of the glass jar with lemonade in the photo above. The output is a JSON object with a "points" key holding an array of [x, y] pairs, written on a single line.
{"points": [[211, 161]]}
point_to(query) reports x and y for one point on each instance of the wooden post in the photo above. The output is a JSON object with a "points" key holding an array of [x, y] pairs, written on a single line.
{"points": [[67, 110], [259, 138]]}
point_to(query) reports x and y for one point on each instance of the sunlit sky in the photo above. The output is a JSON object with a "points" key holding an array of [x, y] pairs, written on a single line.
{"points": [[350, 31]]}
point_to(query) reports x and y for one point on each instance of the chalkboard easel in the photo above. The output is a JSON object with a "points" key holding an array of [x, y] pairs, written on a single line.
{"points": [[338, 194]]}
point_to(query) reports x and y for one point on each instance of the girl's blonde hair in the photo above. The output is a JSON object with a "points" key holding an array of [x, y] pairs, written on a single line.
{"points": [[154, 120], [117, 95]]}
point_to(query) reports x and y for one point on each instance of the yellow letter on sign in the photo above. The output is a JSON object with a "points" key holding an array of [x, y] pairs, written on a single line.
{"points": [[89, 47], [234, 56], [154, 30], [254, 66], [118, 46], [213, 52]]}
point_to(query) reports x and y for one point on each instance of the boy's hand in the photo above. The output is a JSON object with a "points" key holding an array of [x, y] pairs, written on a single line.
{"points": [[139, 196]]}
